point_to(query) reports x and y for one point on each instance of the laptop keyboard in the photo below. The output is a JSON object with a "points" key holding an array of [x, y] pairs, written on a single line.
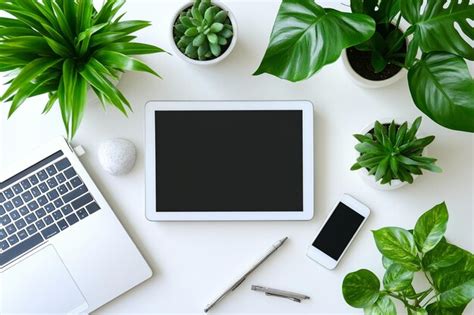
{"points": [[39, 203]]}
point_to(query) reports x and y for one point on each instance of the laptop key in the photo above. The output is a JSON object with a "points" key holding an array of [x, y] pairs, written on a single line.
{"points": [[51, 170], [53, 194], [33, 205], [20, 224], [62, 225], [82, 213], [31, 229], [64, 163], [58, 203], [72, 218], [57, 215], [82, 201], [30, 218], [2, 210], [27, 196], [66, 209], [15, 215], [25, 184], [4, 245], [40, 224], [42, 175], [62, 189], [5, 220], [35, 191], [24, 210], [42, 200], [17, 201], [22, 234], [50, 231], [74, 194], [11, 229], [2, 198], [3, 234], [9, 193], [8, 206], [17, 189], [60, 178], [76, 181], [49, 207], [33, 179], [43, 187], [13, 240], [70, 172], [40, 213], [13, 252], [48, 220], [52, 182]]}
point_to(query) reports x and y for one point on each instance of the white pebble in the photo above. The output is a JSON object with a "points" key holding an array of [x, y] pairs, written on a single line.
{"points": [[117, 156]]}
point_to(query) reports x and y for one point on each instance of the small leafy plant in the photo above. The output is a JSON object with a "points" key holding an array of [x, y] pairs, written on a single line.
{"points": [[306, 37], [448, 269], [64, 47], [394, 152], [203, 31]]}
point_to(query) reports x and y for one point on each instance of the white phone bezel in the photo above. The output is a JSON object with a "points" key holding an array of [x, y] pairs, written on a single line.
{"points": [[321, 257], [308, 161]]}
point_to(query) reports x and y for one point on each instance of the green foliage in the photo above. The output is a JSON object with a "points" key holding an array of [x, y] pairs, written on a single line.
{"points": [[306, 37], [203, 31], [63, 48], [449, 271], [394, 152]]}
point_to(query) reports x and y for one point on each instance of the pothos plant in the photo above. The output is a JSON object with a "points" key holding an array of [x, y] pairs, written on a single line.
{"points": [[63, 48], [306, 37], [448, 270]]}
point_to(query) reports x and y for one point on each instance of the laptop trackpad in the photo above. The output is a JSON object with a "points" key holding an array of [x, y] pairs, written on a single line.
{"points": [[40, 284]]}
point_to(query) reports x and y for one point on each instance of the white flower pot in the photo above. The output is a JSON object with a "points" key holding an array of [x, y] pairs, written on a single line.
{"points": [[211, 61], [366, 83], [370, 179]]}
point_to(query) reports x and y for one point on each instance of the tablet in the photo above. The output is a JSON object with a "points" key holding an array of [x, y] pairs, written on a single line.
{"points": [[236, 160]]}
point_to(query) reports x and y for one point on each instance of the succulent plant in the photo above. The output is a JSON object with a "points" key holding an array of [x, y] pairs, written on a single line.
{"points": [[203, 31], [394, 152]]}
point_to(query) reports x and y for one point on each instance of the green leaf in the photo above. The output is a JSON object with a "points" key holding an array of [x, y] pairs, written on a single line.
{"points": [[442, 88], [217, 27], [386, 262], [199, 40], [28, 73], [122, 62], [430, 228], [417, 311], [307, 37], [215, 49], [398, 245], [80, 99], [397, 278], [436, 309], [442, 256], [434, 24], [382, 168], [383, 306], [457, 289], [53, 97], [212, 38], [221, 16], [361, 288]]}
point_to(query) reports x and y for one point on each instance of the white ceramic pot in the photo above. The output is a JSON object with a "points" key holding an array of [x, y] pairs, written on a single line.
{"points": [[370, 179], [211, 61], [366, 83]]}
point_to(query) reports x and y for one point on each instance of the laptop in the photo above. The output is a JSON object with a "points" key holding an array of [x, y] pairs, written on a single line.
{"points": [[62, 249]]}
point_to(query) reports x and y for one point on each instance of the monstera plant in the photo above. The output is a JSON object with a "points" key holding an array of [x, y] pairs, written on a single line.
{"points": [[448, 270], [64, 48], [306, 37]]}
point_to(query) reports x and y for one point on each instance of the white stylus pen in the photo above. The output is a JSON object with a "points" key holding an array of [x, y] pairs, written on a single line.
{"points": [[234, 286]]}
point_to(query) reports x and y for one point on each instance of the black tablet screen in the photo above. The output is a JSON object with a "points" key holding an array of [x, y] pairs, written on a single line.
{"points": [[229, 160]]}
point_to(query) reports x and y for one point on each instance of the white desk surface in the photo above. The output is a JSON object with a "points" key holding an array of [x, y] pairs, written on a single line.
{"points": [[192, 262]]}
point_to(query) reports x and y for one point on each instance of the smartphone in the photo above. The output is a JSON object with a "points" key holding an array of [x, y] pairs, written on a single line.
{"points": [[338, 231]]}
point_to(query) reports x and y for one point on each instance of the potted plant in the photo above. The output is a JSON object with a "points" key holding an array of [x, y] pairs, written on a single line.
{"points": [[306, 37], [391, 155], [204, 32], [66, 48], [448, 269]]}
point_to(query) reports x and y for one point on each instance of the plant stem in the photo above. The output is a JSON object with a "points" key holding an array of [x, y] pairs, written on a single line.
{"points": [[399, 19], [431, 298], [401, 298]]}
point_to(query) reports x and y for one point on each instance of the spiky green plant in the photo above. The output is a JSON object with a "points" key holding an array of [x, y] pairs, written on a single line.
{"points": [[203, 31], [65, 47], [394, 152]]}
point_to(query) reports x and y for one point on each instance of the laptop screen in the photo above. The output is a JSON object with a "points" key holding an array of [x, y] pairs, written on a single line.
{"points": [[229, 160]]}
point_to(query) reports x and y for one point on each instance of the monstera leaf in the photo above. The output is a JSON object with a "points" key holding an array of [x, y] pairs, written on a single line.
{"points": [[434, 26], [442, 88], [307, 37]]}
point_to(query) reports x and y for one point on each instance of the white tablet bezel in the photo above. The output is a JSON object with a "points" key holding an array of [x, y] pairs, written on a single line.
{"points": [[308, 161]]}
